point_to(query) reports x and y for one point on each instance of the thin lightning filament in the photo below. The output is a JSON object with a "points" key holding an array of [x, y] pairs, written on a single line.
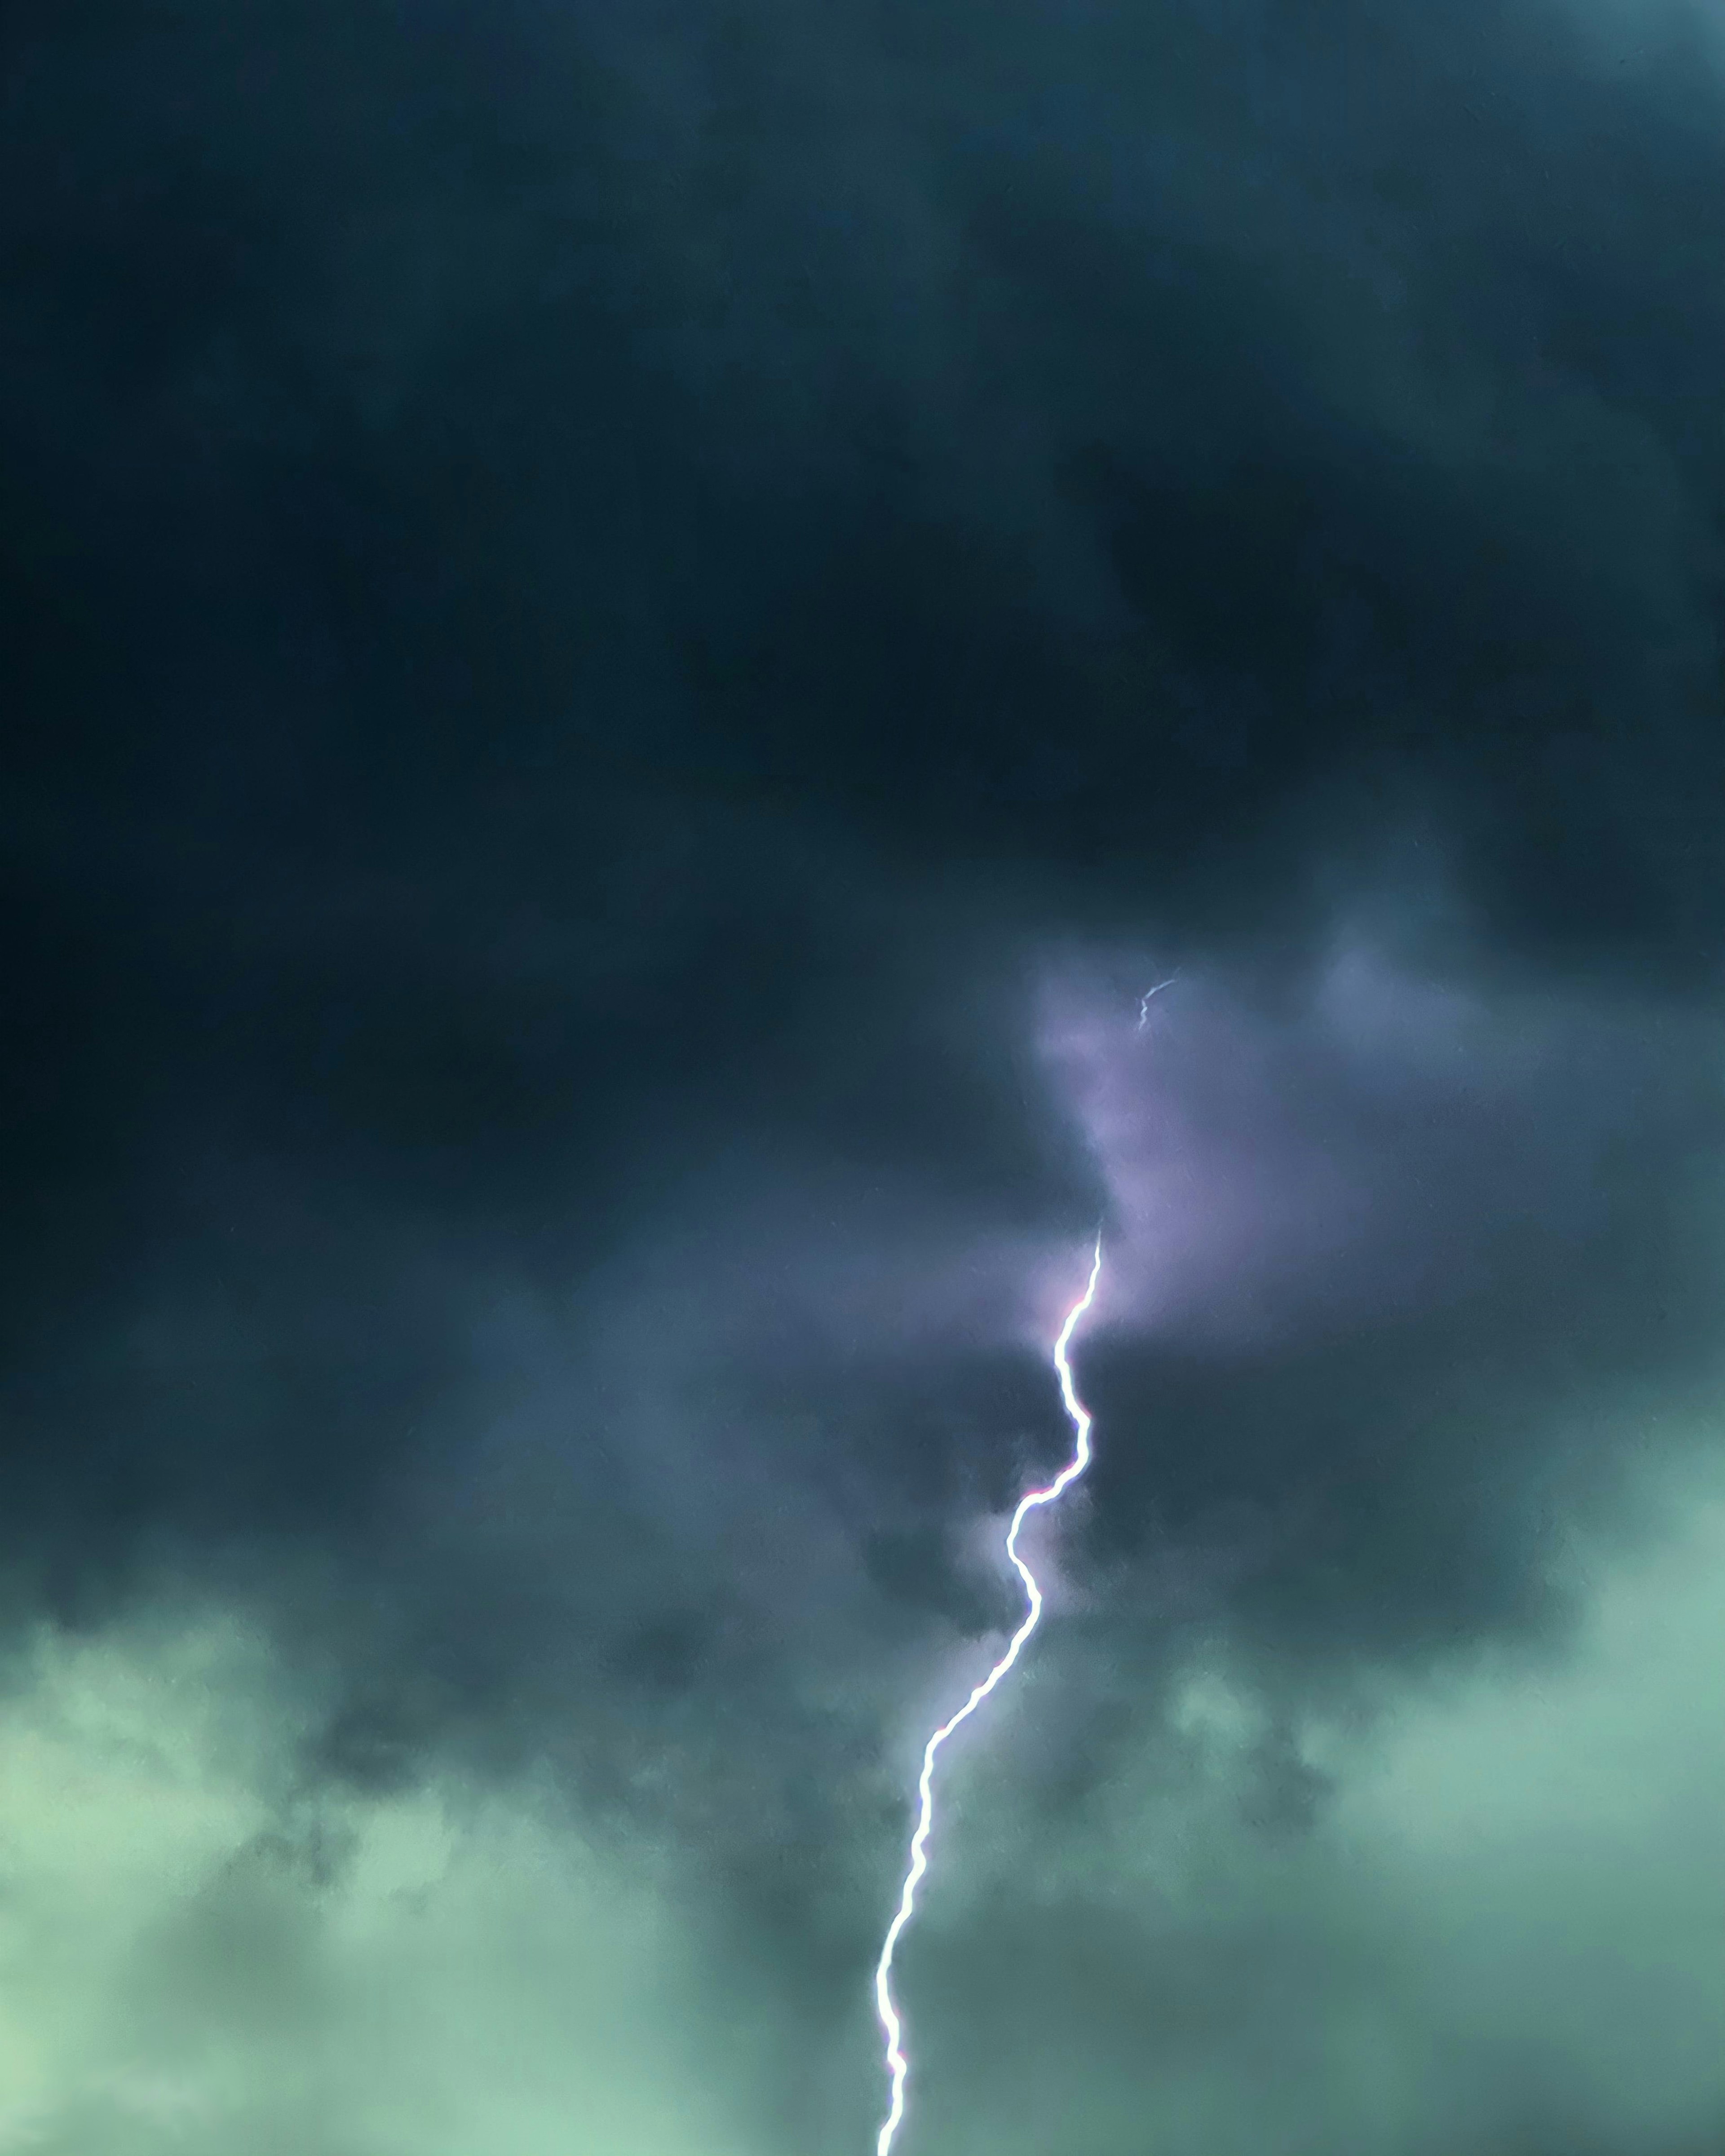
{"points": [[898, 2064]]}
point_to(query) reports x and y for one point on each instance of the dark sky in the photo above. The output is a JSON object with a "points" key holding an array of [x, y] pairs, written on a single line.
{"points": [[629, 635]]}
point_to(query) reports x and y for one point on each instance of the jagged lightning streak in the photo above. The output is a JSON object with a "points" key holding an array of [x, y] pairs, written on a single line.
{"points": [[1144, 1000], [898, 2066]]}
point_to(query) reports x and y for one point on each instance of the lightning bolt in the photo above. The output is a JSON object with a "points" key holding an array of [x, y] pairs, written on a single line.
{"points": [[1144, 1000], [898, 2066]]}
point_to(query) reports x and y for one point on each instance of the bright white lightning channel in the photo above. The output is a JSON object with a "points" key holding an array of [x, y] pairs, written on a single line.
{"points": [[1144, 1000], [898, 2066]]}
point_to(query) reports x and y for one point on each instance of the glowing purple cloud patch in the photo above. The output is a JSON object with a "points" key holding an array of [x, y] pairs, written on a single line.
{"points": [[898, 2064]]}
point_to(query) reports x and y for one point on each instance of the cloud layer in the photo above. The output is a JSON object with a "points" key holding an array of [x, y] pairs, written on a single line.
{"points": [[631, 636]]}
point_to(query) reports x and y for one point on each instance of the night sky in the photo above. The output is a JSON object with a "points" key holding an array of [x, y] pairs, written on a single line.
{"points": [[629, 634]]}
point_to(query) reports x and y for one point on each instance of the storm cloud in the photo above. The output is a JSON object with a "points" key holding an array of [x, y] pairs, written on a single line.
{"points": [[630, 638]]}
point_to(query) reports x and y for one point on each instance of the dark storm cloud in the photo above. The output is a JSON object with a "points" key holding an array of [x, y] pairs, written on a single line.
{"points": [[623, 629], [495, 402]]}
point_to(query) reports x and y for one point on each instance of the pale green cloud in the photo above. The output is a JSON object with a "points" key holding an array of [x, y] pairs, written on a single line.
{"points": [[1501, 1927], [1549, 1843], [195, 1958]]}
